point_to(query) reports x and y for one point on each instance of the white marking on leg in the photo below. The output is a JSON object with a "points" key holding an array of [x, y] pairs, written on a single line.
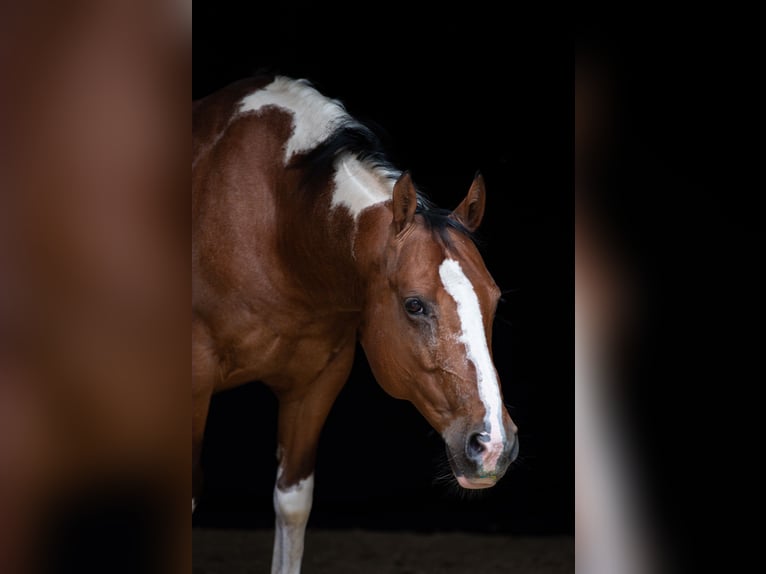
{"points": [[472, 335], [292, 507], [194, 505], [358, 186], [314, 115]]}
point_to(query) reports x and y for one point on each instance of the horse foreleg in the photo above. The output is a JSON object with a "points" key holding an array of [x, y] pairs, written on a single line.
{"points": [[201, 404], [204, 372], [301, 416], [199, 417], [292, 506]]}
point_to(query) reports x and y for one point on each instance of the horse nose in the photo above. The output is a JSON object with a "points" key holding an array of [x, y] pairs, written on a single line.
{"points": [[476, 446], [483, 452]]}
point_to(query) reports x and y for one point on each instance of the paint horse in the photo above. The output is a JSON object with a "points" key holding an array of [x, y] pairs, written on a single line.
{"points": [[306, 240]]}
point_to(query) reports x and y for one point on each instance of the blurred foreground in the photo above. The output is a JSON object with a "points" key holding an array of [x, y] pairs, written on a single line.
{"points": [[614, 514], [94, 223]]}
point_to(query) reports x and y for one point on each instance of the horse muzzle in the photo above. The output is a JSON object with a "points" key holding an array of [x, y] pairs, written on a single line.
{"points": [[479, 462]]}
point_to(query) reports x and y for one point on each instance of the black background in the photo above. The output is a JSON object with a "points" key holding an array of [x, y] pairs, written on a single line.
{"points": [[452, 93], [681, 194]]}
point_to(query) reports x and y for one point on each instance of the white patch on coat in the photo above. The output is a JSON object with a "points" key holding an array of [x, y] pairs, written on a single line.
{"points": [[315, 116], [292, 507], [359, 186], [472, 335]]}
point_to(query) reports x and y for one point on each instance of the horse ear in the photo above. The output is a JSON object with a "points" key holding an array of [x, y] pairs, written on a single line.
{"points": [[405, 200], [471, 209]]}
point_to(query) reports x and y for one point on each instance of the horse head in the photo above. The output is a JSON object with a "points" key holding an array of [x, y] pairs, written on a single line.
{"points": [[427, 327]]}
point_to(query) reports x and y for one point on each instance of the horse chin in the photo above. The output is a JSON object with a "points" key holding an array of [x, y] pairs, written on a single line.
{"points": [[475, 483]]}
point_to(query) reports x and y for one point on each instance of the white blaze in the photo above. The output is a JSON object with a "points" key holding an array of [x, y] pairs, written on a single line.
{"points": [[472, 335], [314, 115]]}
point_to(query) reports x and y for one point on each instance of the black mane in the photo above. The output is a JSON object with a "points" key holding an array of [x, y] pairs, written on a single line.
{"points": [[349, 137], [354, 138]]}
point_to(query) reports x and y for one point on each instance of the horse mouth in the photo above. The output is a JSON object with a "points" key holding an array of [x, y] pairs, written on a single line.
{"points": [[475, 483]]}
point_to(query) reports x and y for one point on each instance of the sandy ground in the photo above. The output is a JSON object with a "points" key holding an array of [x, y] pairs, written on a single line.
{"points": [[365, 552]]}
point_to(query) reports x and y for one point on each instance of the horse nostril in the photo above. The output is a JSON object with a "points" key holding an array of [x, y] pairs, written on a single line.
{"points": [[475, 447]]}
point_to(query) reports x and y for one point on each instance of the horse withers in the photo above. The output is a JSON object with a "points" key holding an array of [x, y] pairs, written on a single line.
{"points": [[305, 240]]}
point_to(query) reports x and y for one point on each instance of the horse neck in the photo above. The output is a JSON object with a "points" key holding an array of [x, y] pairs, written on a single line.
{"points": [[328, 239]]}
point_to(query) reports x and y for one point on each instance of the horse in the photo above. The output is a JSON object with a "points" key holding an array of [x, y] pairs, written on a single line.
{"points": [[305, 240]]}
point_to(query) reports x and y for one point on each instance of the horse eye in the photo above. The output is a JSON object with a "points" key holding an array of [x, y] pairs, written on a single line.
{"points": [[414, 306]]}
